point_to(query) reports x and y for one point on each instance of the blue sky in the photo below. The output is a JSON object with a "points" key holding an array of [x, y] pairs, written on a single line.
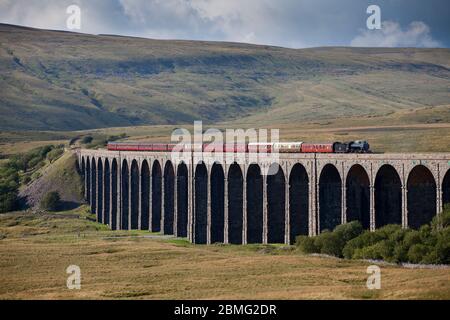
{"points": [[287, 23]]}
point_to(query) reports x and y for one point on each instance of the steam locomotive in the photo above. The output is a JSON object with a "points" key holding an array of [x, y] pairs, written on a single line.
{"points": [[282, 147]]}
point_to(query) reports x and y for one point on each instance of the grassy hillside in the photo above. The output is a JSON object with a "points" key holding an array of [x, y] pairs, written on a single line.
{"points": [[65, 81], [60, 176]]}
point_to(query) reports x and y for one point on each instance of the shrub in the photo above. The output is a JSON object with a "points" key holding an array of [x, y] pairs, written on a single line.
{"points": [[443, 220], [307, 244], [8, 202], [442, 248], [349, 231], [51, 201], [374, 252], [330, 243], [366, 239], [87, 140], [54, 154], [412, 238], [430, 244], [417, 253]]}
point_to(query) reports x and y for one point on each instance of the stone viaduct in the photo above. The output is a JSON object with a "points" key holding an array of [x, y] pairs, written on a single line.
{"points": [[236, 203]]}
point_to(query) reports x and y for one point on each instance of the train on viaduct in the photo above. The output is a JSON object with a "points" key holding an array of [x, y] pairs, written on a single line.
{"points": [[235, 203]]}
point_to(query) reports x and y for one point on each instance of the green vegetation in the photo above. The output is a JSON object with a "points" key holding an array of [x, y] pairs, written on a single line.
{"points": [[60, 176], [22, 169], [87, 140], [428, 245], [55, 154], [51, 201]]}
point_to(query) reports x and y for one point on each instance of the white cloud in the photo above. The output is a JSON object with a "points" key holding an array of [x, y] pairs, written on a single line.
{"points": [[417, 34], [288, 23]]}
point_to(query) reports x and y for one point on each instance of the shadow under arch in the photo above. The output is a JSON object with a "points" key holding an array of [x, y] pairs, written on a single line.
{"points": [[358, 196], [182, 200], [235, 204], [200, 204], [446, 189], [169, 200], [100, 190], [276, 216], [93, 187], [145, 196], [124, 210], [298, 202], [254, 187], [156, 197], [330, 198], [114, 191], [134, 196], [388, 197], [88, 180], [217, 203], [421, 196], [107, 193]]}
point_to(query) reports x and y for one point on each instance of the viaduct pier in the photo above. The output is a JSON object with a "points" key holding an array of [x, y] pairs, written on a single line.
{"points": [[236, 203]]}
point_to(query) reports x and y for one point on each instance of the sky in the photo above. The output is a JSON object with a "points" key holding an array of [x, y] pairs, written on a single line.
{"points": [[286, 23]]}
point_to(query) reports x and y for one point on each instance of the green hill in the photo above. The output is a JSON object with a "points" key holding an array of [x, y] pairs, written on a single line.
{"points": [[52, 80]]}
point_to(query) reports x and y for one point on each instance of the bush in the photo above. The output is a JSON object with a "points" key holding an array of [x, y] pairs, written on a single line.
{"points": [[442, 248], [442, 221], [54, 154], [430, 244], [374, 252], [349, 231], [8, 202], [365, 239], [330, 243], [417, 253], [51, 201], [87, 140], [307, 244]]}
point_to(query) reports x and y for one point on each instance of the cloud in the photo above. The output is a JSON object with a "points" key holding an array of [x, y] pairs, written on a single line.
{"points": [[287, 23], [417, 34]]}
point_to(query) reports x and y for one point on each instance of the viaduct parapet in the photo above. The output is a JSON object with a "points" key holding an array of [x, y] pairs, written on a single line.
{"points": [[235, 203]]}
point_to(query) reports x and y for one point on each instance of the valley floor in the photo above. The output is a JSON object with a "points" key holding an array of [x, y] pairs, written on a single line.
{"points": [[36, 249]]}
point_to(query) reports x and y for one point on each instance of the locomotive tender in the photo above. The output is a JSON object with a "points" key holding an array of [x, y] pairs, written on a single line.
{"points": [[282, 147]]}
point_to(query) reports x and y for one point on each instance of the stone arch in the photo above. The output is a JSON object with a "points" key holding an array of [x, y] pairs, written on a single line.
{"points": [[169, 191], [145, 196], [298, 202], [200, 204], [388, 196], [94, 187], [358, 196], [88, 181], [125, 184], [276, 216], [330, 198], [254, 187], [235, 204], [100, 190], [156, 190], [421, 196], [446, 189], [114, 191], [107, 193], [217, 203], [182, 199]]}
